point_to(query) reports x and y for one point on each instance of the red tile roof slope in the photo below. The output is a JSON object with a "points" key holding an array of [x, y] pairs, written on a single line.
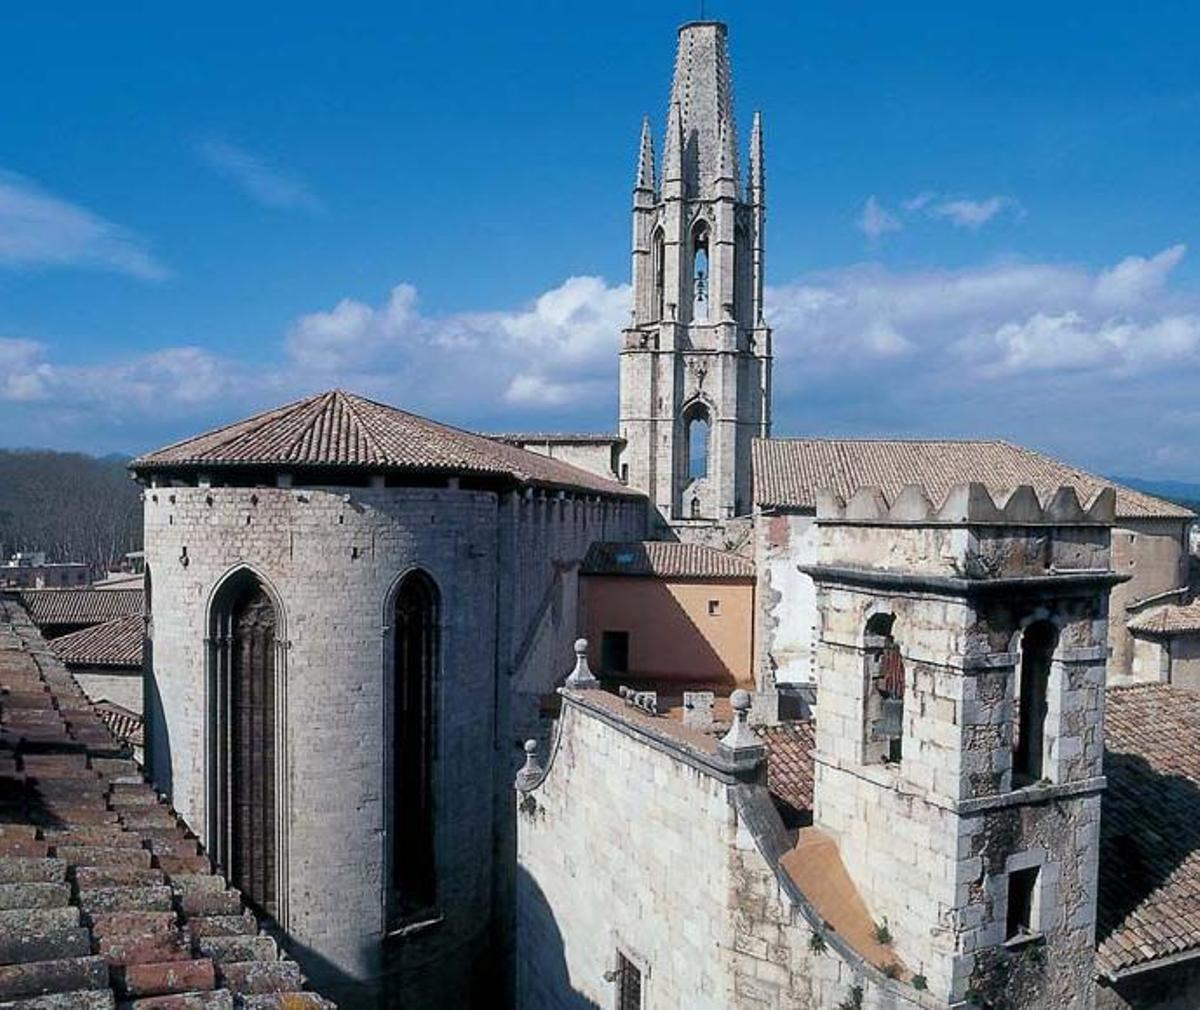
{"points": [[1169, 620], [106, 894], [114, 643], [790, 766], [665, 559], [1150, 827], [340, 429], [788, 471], [48, 607]]}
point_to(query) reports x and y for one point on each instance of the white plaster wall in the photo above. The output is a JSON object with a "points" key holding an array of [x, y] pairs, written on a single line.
{"points": [[122, 688], [787, 618]]}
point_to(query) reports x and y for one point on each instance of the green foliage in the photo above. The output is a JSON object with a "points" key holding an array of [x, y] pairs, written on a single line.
{"points": [[73, 507], [882, 933], [854, 1001], [920, 982], [816, 943]]}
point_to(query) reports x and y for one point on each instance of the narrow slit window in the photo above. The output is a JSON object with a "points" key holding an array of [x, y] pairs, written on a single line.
{"points": [[659, 267], [700, 273]]}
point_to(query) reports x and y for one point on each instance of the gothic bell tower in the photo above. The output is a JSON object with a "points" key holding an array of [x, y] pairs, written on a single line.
{"points": [[696, 359]]}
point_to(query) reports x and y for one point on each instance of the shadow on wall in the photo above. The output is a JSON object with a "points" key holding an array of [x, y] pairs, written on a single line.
{"points": [[154, 725], [1149, 825], [671, 635], [543, 981]]}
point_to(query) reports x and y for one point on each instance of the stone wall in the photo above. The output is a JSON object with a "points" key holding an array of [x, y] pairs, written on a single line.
{"points": [[331, 558], [122, 687], [932, 839], [628, 845]]}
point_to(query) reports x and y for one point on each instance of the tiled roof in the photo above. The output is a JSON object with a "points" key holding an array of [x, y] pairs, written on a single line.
{"points": [[790, 767], [107, 894], [570, 438], [339, 429], [665, 560], [788, 472], [49, 607], [114, 643], [1172, 619], [125, 725], [1149, 904]]}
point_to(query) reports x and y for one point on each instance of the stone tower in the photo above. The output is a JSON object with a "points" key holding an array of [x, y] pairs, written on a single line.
{"points": [[696, 360], [959, 748]]}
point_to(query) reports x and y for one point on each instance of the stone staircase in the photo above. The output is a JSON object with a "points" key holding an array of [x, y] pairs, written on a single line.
{"points": [[106, 898]]}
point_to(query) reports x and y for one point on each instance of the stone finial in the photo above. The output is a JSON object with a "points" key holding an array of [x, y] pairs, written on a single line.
{"points": [[740, 742], [581, 678], [531, 772]]}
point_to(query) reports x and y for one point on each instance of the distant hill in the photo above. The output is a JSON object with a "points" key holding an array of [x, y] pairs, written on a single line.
{"points": [[73, 507], [1179, 491]]}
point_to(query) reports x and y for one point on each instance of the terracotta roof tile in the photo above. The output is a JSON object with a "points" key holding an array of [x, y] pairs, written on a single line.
{"points": [[340, 429], [790, 766], [104, 871], [788, 472], [48, 607], [665, 560], [1150, 827], [114, 643], [1172, 619]]}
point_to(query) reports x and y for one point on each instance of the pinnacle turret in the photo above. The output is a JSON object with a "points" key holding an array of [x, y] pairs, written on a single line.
{"points": [[758, 171], [645, 172], [673, 154]]}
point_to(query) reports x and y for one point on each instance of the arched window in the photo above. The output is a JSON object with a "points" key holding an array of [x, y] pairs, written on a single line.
{"points": [[700, 272], [413, 718], [884, 702], [698, 430], [244, 623], [1038, 643], [659, 265]]}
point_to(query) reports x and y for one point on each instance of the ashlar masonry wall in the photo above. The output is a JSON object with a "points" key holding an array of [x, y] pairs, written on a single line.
{"points": [[627, 847]]}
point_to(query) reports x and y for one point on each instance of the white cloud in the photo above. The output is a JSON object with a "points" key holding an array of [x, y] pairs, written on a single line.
{"points": [[972, 214], [875, 221], [1099, 365], [38, 229], [261, 182]]}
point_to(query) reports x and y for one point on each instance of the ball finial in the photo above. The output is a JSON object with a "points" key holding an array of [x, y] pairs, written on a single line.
{"points": [[740, 701]]}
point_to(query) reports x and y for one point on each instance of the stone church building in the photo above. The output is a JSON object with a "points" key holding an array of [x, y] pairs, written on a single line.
{"points": [[838, 739]]}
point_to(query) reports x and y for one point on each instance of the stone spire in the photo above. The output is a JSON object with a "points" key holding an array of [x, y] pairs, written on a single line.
{"points": [[758, 170], [703, 91], [645, 172]]}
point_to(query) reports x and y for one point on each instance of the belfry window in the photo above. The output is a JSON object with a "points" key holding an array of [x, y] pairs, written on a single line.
{"points": [[700, 272], [1032, 702], [884, 702], [414, 671], [698, 430], [659, 266]]}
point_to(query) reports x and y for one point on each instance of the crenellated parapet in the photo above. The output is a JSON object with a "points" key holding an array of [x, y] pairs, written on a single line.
{"points": [[969, 504], [969, 533]]}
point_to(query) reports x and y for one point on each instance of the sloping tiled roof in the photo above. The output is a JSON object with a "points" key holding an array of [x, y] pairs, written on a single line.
{"points": [[1149, 904], [568, 438], [665, 560], [49, 607], [339, 429], [790, 766], [1172, 619], [125, 725], [114, 643], [107, 894], [788, 472]]}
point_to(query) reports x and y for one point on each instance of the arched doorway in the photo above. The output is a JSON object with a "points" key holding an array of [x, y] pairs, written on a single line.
{"points": [[246, 740]]}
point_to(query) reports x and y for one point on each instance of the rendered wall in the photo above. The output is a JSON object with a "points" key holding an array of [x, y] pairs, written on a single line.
{"points": [[787, 619], [1153, 553], [123, 688], [672, 634]]}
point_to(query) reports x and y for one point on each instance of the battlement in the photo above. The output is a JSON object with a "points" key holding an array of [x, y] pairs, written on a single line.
{"points": [[967, 504]]}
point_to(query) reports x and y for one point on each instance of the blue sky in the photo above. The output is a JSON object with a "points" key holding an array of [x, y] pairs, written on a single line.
{"points": [[981, 222]]}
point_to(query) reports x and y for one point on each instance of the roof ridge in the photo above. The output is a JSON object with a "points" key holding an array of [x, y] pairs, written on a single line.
{"points": [[377, 450]]}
